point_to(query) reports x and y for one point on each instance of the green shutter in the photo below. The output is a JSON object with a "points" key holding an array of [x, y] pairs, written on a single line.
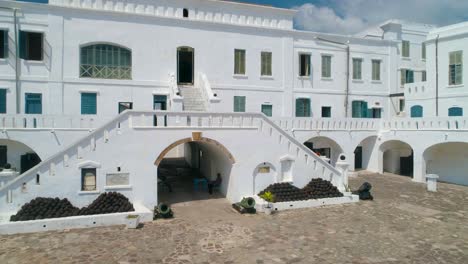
{"points": [[455, 111], [303, 107], [417, 111], [364, 109], [88, 104], [267, 110], [33, 103], [239, 103], [5, 44], [3, 101], [356, 109], [22, 44]]}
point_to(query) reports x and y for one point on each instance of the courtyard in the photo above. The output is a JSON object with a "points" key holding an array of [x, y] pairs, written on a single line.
{"points": [[404, 224]]}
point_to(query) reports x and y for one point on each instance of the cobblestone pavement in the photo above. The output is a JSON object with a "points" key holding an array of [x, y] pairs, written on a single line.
{"points": [[404, 224]]}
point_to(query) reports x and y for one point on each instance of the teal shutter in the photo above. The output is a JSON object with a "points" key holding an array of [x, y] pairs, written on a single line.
{"points": [[303, 107], [267, 110], [3, 101], [417, 111], [22, 44], [4, 51], [356, 109], [455, 111], [364, 110], [33, 103], [88, 104], [239, 103]]}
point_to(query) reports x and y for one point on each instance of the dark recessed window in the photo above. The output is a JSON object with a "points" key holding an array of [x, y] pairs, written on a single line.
{"points": [[186, 13], [3, 44], [31, 45]]}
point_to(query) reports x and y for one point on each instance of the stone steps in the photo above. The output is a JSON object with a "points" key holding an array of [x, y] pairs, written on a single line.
{"points": [[192, 99]]}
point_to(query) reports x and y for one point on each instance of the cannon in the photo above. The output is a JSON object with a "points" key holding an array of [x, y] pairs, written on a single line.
{"points": [[248, 203], [162, 211], [364, 192]]}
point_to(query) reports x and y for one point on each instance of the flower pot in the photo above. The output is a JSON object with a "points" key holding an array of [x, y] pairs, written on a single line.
{"points": [[268, 209], [132, 221]]}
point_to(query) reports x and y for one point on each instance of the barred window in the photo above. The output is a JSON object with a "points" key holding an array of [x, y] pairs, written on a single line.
{"points": [[357, 69], [456, 68], [326, 66], [105, 61], [266, 63], [405, 49], [376, 70]]}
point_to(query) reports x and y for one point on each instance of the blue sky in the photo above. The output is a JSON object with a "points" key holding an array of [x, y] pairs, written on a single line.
{"points": [[351, 16]]}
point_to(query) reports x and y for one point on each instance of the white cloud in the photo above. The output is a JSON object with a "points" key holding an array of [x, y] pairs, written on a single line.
{"points": [[340, 16]]}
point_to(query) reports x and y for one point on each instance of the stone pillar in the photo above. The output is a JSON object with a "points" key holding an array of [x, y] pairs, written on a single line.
{"points": [[419, 169], [432, 182], [342, 165]]}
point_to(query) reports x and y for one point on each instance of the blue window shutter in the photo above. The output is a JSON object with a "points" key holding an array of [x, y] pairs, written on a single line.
{"points": [[3, 101], [88, 104], [356, 109], [455, 111], [417, 111], [33, 103]]}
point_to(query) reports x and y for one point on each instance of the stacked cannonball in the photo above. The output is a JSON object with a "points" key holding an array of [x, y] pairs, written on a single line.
{"points": [[108, 203], [42, 208], [285, 192], [319, 188]]}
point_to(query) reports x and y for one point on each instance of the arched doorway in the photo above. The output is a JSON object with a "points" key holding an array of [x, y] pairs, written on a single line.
{"points": [[18, 155], [363, 154], [449, 161], [326, 147], [185, 65], [396, 157], [188, 167]]}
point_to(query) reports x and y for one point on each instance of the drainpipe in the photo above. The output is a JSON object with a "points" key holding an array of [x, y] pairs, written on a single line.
{"points": [[348, 57], [437, 74], [15, 23]]}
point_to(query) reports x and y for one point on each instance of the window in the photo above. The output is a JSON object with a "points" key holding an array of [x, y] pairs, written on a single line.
{"points": [[3, 44], [3, 156], [125, 106], [326, 66], [186, 13], [3, 100], [88, 179], [239, 62], [30, 45], [407, 76], [417, 111], [375, 113], [376, 70], [239, 103], [105, 61], [423, 76], [88, 104], [359, 109], [326, 111], [304, 65], [456, 68], [159, 102], [33, 103], [303, 107], [401, 105], [405, 47], [266, 58], [357, 69], [423, 51], [455, 111], [267, 109]]}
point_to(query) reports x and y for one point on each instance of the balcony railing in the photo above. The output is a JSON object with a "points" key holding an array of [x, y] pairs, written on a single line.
{"points": [[106, 72]]}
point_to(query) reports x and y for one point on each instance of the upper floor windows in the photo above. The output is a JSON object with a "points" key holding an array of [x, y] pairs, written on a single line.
{"points": [[405, 49], [239, 103], [303, 107], [239, 62], [376, 70], [33, 103], [3, 44], [423, 51], [357, 69], [304, 65], [88, 104], [266, 63], [31, 45], [456, 68], [407, 76], [105, 61], [326, 66]]}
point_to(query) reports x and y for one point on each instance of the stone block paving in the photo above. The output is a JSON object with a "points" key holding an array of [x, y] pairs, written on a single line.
{"points": [[404, 224]]}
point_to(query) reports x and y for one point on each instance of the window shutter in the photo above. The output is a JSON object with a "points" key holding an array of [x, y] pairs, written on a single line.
{"points": [[455, 111], [417, 111], [88, 104], [356, 105], [411, 77], [3, 101], [364, 109], [298, 107]]}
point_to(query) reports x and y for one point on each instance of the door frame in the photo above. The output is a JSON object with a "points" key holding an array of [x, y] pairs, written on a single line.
{"points": [[192, 50]]}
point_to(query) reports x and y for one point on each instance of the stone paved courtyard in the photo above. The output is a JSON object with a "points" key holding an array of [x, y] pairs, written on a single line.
{"points": [[405, 224]]}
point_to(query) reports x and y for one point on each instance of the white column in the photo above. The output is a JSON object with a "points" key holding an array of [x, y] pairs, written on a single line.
{"points": [[419, 169]]}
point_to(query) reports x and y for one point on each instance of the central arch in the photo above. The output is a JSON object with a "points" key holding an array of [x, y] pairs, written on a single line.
{"points": [[396, 156], [325, 147], [196, 168]]}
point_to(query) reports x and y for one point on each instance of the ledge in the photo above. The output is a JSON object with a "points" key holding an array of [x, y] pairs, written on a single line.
{"points": [[88, 192], [455, 86], [118, 187], [267, 78], [240, 76]]}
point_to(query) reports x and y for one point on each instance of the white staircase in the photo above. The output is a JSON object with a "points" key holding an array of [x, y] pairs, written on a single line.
{"points": [[193, 99]]}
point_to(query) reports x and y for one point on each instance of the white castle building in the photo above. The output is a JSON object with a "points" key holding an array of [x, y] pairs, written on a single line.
{"points": [[232, 87]]}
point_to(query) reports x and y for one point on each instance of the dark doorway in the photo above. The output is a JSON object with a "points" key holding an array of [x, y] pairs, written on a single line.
{"points": [[358, 158], [159, 103], [185, 65], [3, 156], [406, 165], [28, 161], [125, 106]]}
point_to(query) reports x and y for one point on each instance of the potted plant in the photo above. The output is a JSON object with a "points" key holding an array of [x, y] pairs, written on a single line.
{"points": [[270, 198], [132, 221], [347, 191]]}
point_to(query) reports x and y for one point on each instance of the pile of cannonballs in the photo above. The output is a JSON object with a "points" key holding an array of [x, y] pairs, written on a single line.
{"points": [[44, 208], [315, 189]]}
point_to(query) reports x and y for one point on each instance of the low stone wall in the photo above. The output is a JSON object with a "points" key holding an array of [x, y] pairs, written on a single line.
{"points": [[74, 222], [260, 203]]}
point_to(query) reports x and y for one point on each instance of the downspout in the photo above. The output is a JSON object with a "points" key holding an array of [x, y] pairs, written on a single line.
{"points": [[437, 74], [17, 87]]}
